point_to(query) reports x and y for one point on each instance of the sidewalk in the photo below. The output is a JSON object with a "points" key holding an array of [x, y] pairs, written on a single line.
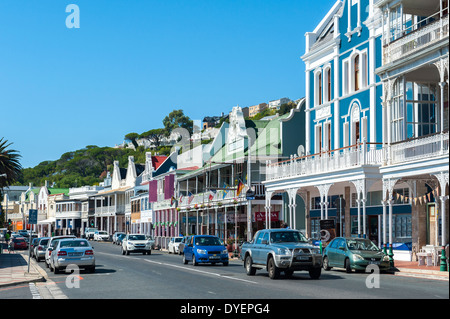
{"points": [[14, 268], [412, 269]]}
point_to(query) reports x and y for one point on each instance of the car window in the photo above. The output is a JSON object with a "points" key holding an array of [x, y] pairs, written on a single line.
{"points": [[43, 242], [74, 243], [178, 240], [288, 237], [361, 244], [265, 237], [341, 244], [333, 243], [136, 237], [207, 241], [259, 238]]}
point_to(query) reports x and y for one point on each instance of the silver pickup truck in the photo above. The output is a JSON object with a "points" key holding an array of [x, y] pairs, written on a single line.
{"points": [[278, 250]]}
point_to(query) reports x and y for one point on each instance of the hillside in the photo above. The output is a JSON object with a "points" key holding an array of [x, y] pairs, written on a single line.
{"points": [[87, 166]]}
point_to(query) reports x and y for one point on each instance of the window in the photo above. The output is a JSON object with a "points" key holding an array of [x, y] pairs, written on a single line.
{"points": [[318, 135], [345, 78], [356, 68], [319, 88]]}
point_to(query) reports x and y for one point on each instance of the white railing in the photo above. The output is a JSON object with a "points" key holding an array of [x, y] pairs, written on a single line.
{"points": [[110, 209], [343, 158], [419, 148], [415, 40]]}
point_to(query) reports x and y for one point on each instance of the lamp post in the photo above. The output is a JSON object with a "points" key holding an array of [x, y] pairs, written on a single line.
{"points": [[6, 206]]}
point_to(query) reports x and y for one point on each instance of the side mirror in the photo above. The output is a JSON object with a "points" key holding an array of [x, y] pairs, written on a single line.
{"points": [[342, 248]]}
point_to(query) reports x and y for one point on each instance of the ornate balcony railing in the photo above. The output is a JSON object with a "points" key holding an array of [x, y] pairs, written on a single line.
{"points": [[343, 158], [419, 148], [413, 41]]}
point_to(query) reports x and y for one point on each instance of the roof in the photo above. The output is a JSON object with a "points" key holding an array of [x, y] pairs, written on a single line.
{"points": [[157, 160]]}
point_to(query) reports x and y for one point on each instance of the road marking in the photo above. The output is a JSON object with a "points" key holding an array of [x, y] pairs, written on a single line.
{"points": [[200, 271], [34, 291]]}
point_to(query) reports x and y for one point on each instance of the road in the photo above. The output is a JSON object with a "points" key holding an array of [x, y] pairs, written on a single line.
{"points": [[164, 276]]}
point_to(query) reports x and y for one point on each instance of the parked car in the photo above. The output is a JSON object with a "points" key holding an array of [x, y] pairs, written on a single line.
{"points": [[34, 243], [73, 251], [116, 236], [182, 244], [278, 250], [39, 249], [174, 244], [52, 244], [89, 233], [353, 253], [101, 235], [136, 243], [19, 243], [205, 249], [119, 239]]}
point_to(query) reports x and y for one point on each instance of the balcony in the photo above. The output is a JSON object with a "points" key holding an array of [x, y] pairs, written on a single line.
{"points": [[415, 38], [344, 158], [419, 148]]}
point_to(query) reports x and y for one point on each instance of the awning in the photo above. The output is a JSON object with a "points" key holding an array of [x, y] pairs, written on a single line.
{"points": [[50, 220]]}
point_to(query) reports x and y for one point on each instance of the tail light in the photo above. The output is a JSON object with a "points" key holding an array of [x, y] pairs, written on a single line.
{"points": [[89, 252], [40, 248], [62, 253]]}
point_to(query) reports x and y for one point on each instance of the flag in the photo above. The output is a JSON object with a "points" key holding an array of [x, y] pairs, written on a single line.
{"points": [[181, 198], [225, 192], [172, 199], [240, 187], [211, 194], [191, 197]]}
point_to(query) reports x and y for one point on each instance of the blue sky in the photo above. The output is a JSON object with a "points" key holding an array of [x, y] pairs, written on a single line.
{"points": [[132, 62]]}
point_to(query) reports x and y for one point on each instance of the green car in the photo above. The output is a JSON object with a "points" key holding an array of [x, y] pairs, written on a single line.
{"points": [[353, 253]]}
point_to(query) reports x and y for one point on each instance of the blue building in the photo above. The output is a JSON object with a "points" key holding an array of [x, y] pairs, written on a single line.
{"points": [[353, 133]]}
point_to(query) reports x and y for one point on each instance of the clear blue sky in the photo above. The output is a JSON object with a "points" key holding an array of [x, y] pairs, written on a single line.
{"points": [[132, 62]]}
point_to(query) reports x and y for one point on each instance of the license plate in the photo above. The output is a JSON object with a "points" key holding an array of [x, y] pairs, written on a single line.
{"points": [[302, 257], [75, 254], [214, 257], [374, 262]]}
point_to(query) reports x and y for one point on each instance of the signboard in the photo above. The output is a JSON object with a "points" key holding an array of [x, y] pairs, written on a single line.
{"points": [[250, 195], [327, 231], [261, 216], [32, 216]]}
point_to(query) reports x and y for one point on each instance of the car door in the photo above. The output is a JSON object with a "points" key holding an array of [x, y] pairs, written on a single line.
{"points": [[331, 252], [341, 253], [189, 249], [256, 249]]}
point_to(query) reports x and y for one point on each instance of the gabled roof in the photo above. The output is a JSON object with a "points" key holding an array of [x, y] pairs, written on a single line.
{"points": [[157, 160]]}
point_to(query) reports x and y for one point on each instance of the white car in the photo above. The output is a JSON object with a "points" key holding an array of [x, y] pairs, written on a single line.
{"points": [[136, 243], [72, 252], [52, 244], [100, 235], [174, 244]]}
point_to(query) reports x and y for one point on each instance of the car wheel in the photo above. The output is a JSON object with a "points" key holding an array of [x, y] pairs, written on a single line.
{"points": [[348, 267], [92, 269], [194, 260], [56, 270], [314, 273], [123, 251], [127, 252], [274, 271], [325, 263], [185, 260], [251, 271], [46, 265]]}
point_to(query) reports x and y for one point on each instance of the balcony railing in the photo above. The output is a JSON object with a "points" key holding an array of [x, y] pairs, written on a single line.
{"points": [[419, 148], [343, 158], [414, 39], [119, 209]]}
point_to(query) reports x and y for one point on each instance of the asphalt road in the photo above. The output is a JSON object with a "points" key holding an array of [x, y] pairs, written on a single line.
{"points": [[164, 276]]}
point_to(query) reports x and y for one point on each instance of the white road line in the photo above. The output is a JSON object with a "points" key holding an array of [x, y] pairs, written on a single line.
{"points": [[200, 271], [34, 291]]}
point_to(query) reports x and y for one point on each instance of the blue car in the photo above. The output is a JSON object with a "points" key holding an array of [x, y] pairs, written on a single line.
{"points": [[205, 249]]}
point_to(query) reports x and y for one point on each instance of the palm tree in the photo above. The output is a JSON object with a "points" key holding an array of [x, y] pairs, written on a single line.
{"points": [[10, 167]]}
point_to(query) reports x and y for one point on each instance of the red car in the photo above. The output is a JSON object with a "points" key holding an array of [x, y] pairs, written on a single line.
{"points": [[19, 243]]}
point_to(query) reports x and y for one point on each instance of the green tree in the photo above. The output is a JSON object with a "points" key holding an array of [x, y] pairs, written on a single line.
{"points": [[176, 119], [132, 137], [154, 136], [10, 167]]}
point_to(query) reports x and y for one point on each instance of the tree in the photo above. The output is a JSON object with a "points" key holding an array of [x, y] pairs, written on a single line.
{"points": [[132, 137], [154, 136], [176, 119], [10, 167]]}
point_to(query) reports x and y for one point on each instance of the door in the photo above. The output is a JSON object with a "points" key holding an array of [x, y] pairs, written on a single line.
{"points": [[373, 228], [256, 250], [341, 253], [331, 251]]}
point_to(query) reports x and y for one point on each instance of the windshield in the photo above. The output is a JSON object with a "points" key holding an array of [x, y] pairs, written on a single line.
{"points": [[207, 241], [136, 237], [178, 240], [102, 233], [361, 244], [43, 242], [287, 237], [74, 243]]}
